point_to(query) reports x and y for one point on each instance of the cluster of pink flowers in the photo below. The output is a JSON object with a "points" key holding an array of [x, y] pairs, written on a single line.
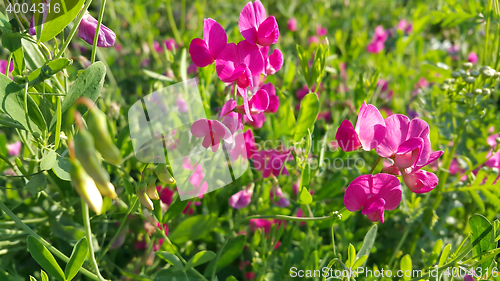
{"points": [[406, 145], [245, 65], [381, 35]]}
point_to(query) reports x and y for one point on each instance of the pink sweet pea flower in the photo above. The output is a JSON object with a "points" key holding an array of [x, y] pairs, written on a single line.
{"points": [[204, 52], [419, 181], [241, 199], [274, 100], [182, 104], [374, 194], [247, 147], [378, 42], [32, 29], [369, 132], [273, 62], [232, 120], [292, 24], [405, 26], [375, 47], [261, 224], [271, 162], [166, 194], [301, 93], [257, 122], [255, 27], [453, 52], [312, 40], [171, 44], [320, 31], [3, 67], [211, 131], [189, 207], [258, 103], [14, 148], [192, 69], [407, 142], [278, 198], [472, 58], [385, 92], [88, 28]]}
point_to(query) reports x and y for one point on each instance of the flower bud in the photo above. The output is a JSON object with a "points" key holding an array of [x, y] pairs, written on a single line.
{"points": [[444, 87], [151, 188], [466, 65], [85, 187], [86, 154], [88, 28], [483, 68], [485, 91], [163, 174], [143, 197], [497, 74], [469, 95], [455, 74], [470, 80], [477, 92], [449, 81], [97, 124], [488, 73], [474, 73]]}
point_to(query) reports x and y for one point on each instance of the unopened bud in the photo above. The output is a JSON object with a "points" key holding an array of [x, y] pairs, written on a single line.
{"points": [[85, 187], [152, 192], [477, 92], [483, 68], [470, 80], [444, 87], [466, 65], [474, 73], [486, 91], [455, 74], [488, 73], [163, 174], [97, 124], [469, 95], [497, 74], [86, 154], [143, 197], [449, 81]]}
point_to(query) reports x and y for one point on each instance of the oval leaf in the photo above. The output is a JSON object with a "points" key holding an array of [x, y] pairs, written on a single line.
{"points": [[232, 250], [77, 258], [309, 109], [200, 258], [44, 258], [170, 258]]}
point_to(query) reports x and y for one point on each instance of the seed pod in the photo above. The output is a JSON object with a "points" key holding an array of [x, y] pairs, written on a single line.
{"points": [[474, 73], [152, 193], [455, 74], [86, 154], [143, 197], [477, 92], [97, 124], [163, 174], [85, 187], [485, 91], [466, 65], [470, 80]]}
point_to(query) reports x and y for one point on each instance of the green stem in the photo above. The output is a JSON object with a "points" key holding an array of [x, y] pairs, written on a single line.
{"points": [[8, 65], [487, 33], [96, 35], [55, 251], [88, 233], [73, 30], [376, 164], [172, 23], [122, 224]]}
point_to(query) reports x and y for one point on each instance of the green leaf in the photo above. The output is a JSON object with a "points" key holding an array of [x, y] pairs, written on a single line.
{"points": [[183, 67], [232, 250], [351, 255], [12, 97], [174, 210], [44, 276], [309, 109], [44, 258], [444, 255], [36, 184], [48, 161], [231, 278], [305, 176], [481, 227], [193, 228], [7, 121], [406, 267], [56, 20], [304, 65], [77, 258], [62, 167], [368, 242], [171, 274], [284, 120], [304, 196], [200, 258], [88, 84], [157, 211], [58, 123], [170, 258], [32, 278], [157, 76]]}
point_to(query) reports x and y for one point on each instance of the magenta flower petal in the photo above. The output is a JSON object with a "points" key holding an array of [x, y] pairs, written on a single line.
{"points": [[199, 53], [274, 103], [397, 126], [275, 62], [292, 24], [88, 28], [347, 138], [251, 56], [241, 199], [249, 143], [257, 122], [421, 181], [278, 198], [3, 67], [268, 32], [14, 149], [200, 128], [259, 101], [252, 15], [370, 126], [408, 153], [420, 128], [215, 37]]}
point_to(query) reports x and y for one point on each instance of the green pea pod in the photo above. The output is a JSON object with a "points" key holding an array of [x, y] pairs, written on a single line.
{"points": [[97, 124], [143, 197], [163, 174], [152, 192], [86, 154], [86, 187]]}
